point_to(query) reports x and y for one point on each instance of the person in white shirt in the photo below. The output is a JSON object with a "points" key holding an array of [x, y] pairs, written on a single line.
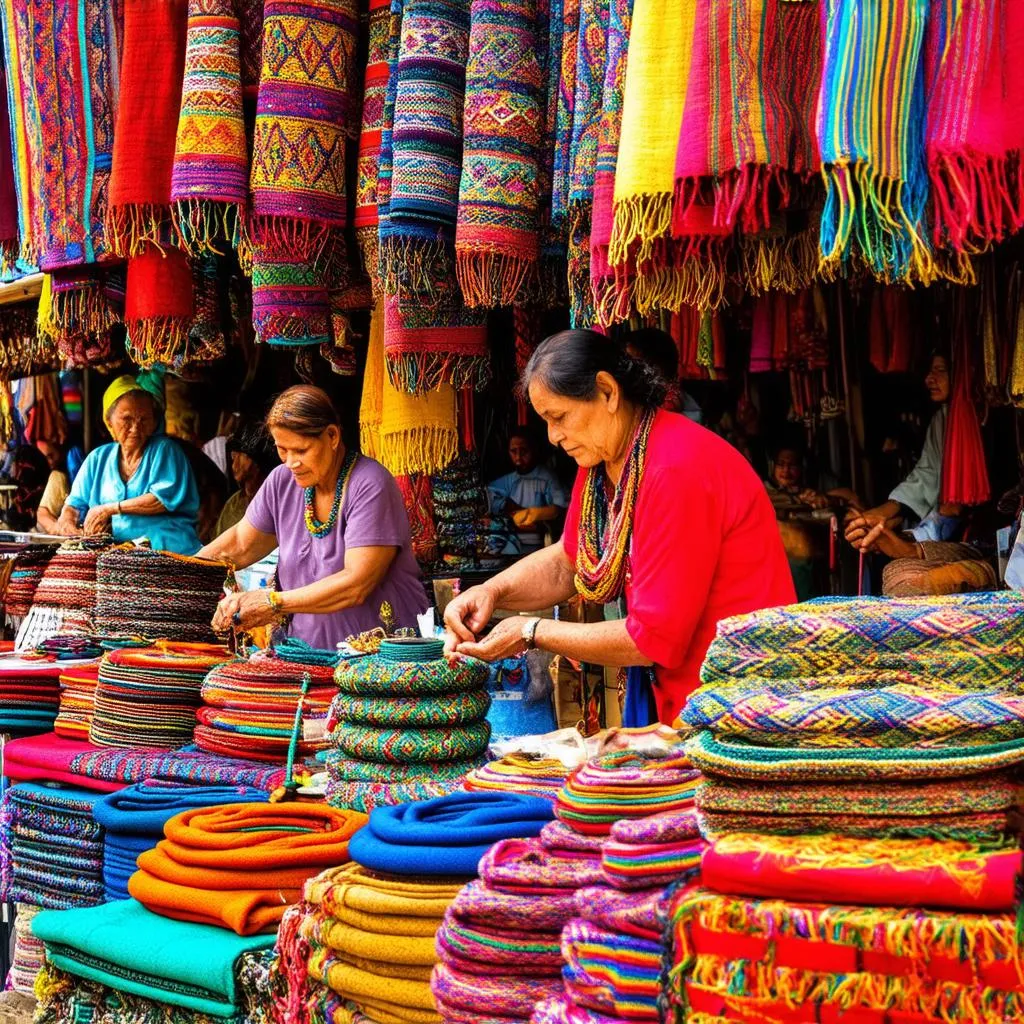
{"points": [[531, 494]]}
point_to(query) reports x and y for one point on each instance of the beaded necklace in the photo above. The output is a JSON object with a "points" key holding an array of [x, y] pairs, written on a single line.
{"points": [[313, 525], [605, 528]]}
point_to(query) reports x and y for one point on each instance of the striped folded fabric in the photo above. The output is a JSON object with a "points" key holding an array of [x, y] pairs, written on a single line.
{"points": [[77, 698], [520, 773]]}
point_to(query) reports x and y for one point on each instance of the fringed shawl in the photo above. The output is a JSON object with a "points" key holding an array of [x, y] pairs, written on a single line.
{"points": [[159, 306]]}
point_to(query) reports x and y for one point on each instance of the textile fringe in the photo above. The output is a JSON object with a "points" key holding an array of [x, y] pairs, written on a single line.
{"points": [[493, 279], [202, 226], [419, 450], [292, 999], [742, 196], [9, 254], [301, 239], [697, 278], [128, 230], [415, 373], [80, 311], [638, 224], [411, 268], [774, 263], [368, 240], [157, 340], [977, 200]]}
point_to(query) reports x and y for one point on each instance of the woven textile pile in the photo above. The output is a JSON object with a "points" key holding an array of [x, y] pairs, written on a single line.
{"points": [[77, 700], [366, 931], [902, 806], [520, 773], [29, 954], [147, 697], [133, 821], [29, 694], [407, 724], [249, 708], [172, 596], [52, 847], [27, 571]]}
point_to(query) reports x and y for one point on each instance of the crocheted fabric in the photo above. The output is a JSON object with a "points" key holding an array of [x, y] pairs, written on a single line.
{"points": [[482, 949], [385, 677], [148, 697], [639, 913], [970, 640], [479, 904], [29, 952], [787, 764], [730, 958], [77, 696], [413, 746], [496, 237], [520, 773], [562, 839], [365, 796], [889, 716], [647, 865], [625, 784], [65, 597], [451, 709], [27, 571], [524, 867], [342, 767], [487, 997]]}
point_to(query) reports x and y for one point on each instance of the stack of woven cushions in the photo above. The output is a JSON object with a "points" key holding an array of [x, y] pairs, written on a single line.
{"points": [[861, 750], [29, 694], [133, 821], [171, 596], [366, 932], [77, 700], [148, 697], [408, 725], [53, 847], [520, 773], [249, 708], [240, 866]]}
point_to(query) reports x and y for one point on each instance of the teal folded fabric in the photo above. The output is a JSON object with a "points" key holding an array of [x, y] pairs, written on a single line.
{"points": [[124, 946]]}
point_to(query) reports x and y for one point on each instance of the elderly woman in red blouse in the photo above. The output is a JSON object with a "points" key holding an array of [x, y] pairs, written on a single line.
{"points": [[664, 513]]}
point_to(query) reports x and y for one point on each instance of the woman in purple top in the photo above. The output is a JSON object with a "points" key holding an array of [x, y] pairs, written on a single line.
{"points": [[341, 526]]}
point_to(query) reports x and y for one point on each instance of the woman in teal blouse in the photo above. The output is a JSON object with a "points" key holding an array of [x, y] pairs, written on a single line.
{"points": [[141, 486]]}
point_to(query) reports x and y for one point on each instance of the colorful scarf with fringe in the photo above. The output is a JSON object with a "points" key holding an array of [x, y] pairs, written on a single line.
{"points": [[152, 69], [64, 85], [549, 56], [417, 240], [591, 69], [210, 178], [375, 85], [568, 31], [159, 306], [620, 18], [78, 307], [871, 121], [496, 239], [426, 347], [290, 303]]}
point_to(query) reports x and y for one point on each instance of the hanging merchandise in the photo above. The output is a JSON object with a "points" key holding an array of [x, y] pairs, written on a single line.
{"points": [[419, 507], [496, 237], [159, 306], [290, 304], [565, 25], [890, 334], [8, 196], [210, 177]]}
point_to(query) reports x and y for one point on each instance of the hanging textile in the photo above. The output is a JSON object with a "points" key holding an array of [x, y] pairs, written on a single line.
{"points": [[419, 506], [152, 69], [77, 308], [561, 169], [206, 340], [871, 132], [64, 94], [290, 304], [602, 283], [159, 306], [661, 46], [375, 84], [890, 331], [591, 63], [9, 244], [549, 57], [210, 178], [386, 161], [428, 347], [496, 236]]}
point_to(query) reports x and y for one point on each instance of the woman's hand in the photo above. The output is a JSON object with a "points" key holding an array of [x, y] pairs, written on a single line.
{"points": [[67, 524], [243, 611], [504, 641], [812, 499], [466, 616], [97, 519], [889, 543]]}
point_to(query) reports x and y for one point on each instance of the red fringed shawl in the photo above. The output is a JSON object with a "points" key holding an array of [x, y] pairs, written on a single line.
{"points": [[159, 305], [964, 473]]}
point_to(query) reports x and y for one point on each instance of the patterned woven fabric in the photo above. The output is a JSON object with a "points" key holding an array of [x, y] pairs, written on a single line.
{"points": [[496, 237], [290, 303], [29, 952], [210, 179], [26, 573], [969, 640], [559, 837], [366, 796], [148, 697], [520, 773], [787, 764], [159, 306], [524, 867], [65, 597], [885, 717], [77, 696], [732, 958], [417, 235], [479, 904], [376, 676], [639, 913], [63, 65], [485, 997], [413, 746], [453, 709], [485, 949], [342, 767], [652, 852]]}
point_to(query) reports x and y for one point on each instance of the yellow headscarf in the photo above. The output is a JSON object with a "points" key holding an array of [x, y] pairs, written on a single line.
{"points": [[125, 385]]}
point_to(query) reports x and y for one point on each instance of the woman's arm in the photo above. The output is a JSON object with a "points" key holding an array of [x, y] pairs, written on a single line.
{"points": [[241, 545], [68, 523], [97, 519]]}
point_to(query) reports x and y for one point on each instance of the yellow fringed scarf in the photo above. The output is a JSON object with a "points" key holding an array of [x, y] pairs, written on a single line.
{"points": [[406, 433]]}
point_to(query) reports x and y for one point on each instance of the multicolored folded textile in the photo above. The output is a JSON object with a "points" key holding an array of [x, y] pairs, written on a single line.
{"points": [[446, 836], [52, 853], [29, 694], [48, 758], [365, 796], [968, 640], [77, 697], [874, 872], [478, 949], [521, 773], [524, 867], [633, 865], [788, 764], [188, 965], [27, 571], [399, 671], [457, 994], [479, 904], [133, 821], [741, 959], [562, 839], [625, 784], [65, 598], [639, 912], [29, 953], [886, 716], [562, 1010], [443, 710], [413, 745], [148, 697]]}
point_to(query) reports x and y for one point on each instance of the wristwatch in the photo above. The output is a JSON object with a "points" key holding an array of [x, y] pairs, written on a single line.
{"points": [[530, 632]]}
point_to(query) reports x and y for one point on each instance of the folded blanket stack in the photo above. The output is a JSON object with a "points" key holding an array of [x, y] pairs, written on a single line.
{"points": [[29, 694], [27, 571], [407, 725], [239, 866], [368, 933], [648, 853], [864, 751], [52, 847], [137, 965], [249, 708], [520, 773], [147, 697], [133, 821], [29, 954], [77, 699]]}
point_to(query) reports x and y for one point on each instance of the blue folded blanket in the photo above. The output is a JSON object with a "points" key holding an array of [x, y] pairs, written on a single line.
{"points": [[448, 835], [126, 947], [134, 820]]}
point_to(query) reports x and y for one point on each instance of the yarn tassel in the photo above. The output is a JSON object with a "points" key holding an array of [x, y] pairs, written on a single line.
{"points": [[161, 340], [204, 227], [493, 279], [292, 999], [418, 372], [418, 450], [129, 229]]}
